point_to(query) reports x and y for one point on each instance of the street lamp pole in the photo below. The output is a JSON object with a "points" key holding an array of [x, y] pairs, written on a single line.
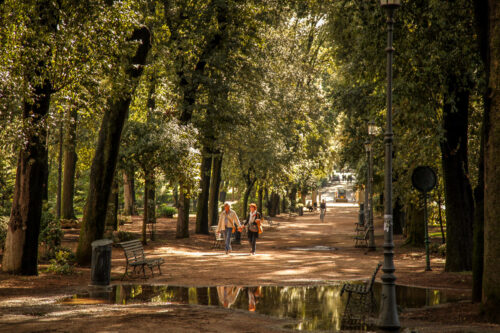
{"points": [[371, 234], [367, 186], [388, 319]]}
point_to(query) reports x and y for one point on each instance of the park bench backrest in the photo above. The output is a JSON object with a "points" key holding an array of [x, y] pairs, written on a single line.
{"points": [[370, 286], [134, 252]]}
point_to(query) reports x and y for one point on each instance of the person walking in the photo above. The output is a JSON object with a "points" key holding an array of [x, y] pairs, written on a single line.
{"points": [[228, 222], [322, 213], [253, 222]]}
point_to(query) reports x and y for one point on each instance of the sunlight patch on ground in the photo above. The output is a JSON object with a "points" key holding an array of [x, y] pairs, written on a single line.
{"points": [[169, 250]]}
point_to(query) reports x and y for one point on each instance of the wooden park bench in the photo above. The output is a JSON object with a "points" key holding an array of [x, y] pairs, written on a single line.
{"points": [[361, 238], [134, 253], [218, 238], [270, 222], [360, 302]]}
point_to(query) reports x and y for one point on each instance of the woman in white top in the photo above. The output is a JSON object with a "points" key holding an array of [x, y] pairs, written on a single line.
{"points": [[228, 221]]}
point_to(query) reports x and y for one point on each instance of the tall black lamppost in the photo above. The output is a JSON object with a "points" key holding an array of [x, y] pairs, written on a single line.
{"points": [[371, 236], [388, 319], [366, 210]]}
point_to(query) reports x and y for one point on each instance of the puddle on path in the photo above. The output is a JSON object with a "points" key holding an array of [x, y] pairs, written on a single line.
{"points": [[314, 307]]}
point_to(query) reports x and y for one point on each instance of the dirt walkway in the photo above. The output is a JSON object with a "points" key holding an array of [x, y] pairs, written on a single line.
{"points": [[284, 257]]}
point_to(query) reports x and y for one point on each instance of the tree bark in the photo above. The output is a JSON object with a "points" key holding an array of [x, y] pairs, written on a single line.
{"points": [[202, 208], [482, 29], [70, 158], [491, 273], [259, 199], [250, 182], [21, 244], [112, 212], [183, 212], [274, 204], [398, 217], [151, 188], [458, 191], [293, 198], [59, 172], [415, 226], [105, 158], [149, 204], [129, 192], [213, 208]]}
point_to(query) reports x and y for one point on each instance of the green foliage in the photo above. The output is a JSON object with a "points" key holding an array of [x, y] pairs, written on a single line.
{"points": [[62, 263], [4, 225], [123, 236], [51, 234], [167, 211]]}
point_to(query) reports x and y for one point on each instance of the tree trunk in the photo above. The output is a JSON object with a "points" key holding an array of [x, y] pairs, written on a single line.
{"points": [[213, 208], [59, 172], [112, 213], [70, 158], [248, 190], [259, 199], [482, 29], [491, 273], [21, 244], [104, 163], [284, 201], [274, 204], [267, 202], [458, 192], [149, 205], [175, 195], [398, 217], [415, 228], [202, 208], [183, 213], [129, 193], [151, 188], [293, 198], [303, 195]]}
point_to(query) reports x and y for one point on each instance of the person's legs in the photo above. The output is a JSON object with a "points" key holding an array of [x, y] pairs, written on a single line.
{"points": [[253, 241], [227, 233]]}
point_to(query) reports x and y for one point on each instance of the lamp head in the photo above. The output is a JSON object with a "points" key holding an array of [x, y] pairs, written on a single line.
{"points": [[372, 128], [368, 146]]}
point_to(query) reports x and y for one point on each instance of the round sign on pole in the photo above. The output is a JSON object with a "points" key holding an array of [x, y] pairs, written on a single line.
{"points": [[423, 178]]}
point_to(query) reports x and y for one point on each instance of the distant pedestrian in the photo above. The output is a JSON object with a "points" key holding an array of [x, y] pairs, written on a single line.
{"points": [[228, 222], [322, 213], [253, 223]]}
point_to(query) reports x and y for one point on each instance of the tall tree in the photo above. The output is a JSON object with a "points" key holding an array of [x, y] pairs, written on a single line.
{"points": [[21, 245], [70, 159], [491, 275], [105, 158]]}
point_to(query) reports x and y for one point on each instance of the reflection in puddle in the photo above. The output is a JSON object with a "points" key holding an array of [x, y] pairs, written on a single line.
{"points": [[314, 307]]}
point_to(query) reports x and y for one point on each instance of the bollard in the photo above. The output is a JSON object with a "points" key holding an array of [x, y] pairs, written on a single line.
{"points": [[101, 262]]}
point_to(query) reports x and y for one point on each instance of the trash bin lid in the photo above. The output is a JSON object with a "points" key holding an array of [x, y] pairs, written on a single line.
{"points": [[101, 242]]}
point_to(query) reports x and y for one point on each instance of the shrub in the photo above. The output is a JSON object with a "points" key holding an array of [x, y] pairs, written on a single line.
{"points": [[167, 211], [4, 222], [63, 263], [123, 236], [51, 237]]}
